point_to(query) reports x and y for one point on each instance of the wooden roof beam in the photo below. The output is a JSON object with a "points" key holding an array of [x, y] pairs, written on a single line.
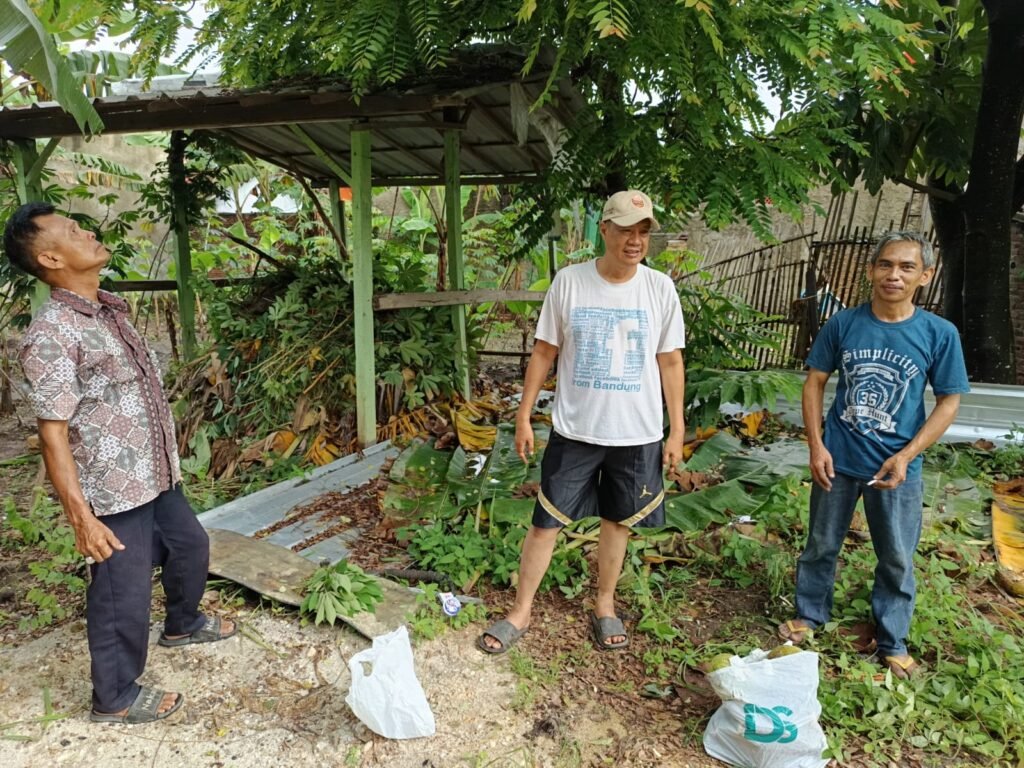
{"points": [[145, 115]]}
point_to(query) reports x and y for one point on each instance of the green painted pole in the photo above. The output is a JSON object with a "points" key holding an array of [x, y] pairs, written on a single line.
{"points": [[183, 253], [362, 288], [592, 230], [28, 167], [456, 267]]}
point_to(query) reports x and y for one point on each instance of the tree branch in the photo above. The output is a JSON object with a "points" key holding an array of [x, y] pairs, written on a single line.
{"points": [[258, 251], [323, 214], [935, 192]]}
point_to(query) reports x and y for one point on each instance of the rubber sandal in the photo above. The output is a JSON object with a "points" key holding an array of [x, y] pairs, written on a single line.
{"points": [[145, 709], [902, 667], [208, 633], [795, 631], [505, 632], [604, 627]]}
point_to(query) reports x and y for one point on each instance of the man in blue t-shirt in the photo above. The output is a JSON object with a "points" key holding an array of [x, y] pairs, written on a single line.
{"points": [[885, 351]]}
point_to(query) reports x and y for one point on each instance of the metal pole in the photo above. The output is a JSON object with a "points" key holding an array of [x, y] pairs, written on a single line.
{"points": [[456, 268], [362, 288]]}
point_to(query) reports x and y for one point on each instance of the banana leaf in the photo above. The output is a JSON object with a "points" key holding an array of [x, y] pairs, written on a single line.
{"points": [[713, 451], [765, 465], [954, 498], [717, 504]]}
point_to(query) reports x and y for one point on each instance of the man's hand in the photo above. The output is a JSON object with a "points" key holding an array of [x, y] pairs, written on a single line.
{"points": [[672, 452], [892, 473], [94, 540], [821, 467], [524, 440]]}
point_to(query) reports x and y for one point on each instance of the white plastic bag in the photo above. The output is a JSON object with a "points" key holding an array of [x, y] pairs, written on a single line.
{"points": [[389, 700], [769, 713]]}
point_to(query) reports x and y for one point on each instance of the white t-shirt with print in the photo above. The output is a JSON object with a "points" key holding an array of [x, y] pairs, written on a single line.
{"points": [[607, 334]]}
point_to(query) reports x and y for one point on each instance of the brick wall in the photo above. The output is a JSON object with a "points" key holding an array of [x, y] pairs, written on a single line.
{"points": [[1017, 291]]}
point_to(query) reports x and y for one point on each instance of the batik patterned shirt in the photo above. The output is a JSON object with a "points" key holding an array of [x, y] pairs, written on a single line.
{"points": [[87, 365]]}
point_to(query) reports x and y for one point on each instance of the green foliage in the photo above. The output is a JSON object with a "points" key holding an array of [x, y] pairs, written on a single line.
{"points": [[29, 47], [708, 389], [430, 620], [464, 554], [339, 590], [723, 333], [461, 552], [56, 573], [211, 164], [979, 462], [968, 703], [674, 89]]}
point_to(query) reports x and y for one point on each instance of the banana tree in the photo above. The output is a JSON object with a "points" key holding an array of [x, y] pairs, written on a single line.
{"points": [[29, 48]]}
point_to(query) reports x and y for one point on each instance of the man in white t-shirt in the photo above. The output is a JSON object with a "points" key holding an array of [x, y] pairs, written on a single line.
{"points": [[616, 327]]}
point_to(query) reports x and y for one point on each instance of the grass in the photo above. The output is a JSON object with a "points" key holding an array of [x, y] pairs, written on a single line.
{"points": [[968, 706]]}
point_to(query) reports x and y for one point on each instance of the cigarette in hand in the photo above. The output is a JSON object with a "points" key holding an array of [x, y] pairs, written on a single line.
{"points": [[872, 482]]}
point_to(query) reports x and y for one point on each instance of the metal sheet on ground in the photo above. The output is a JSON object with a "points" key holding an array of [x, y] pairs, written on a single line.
{"points": [[280, 574]]}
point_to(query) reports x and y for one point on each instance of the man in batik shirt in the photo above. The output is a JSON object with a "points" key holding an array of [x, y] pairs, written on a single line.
{"points": [[108, 443]]}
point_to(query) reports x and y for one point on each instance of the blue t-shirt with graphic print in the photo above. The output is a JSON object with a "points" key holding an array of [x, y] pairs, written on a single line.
{"points": [[883, 368]]}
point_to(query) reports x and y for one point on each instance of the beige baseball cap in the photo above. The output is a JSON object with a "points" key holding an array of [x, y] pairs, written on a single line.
{"points": [[629, 207]]}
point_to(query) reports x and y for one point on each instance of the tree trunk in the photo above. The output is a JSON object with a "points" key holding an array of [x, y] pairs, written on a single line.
{"points": [[987, 203], [949, 227], [613, 117]]}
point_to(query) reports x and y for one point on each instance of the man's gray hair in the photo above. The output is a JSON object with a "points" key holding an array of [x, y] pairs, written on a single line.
{"points": [[927, 253]]}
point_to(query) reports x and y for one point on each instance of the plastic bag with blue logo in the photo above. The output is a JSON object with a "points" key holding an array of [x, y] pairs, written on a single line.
{"points": [[385, 694], [769, 712]]}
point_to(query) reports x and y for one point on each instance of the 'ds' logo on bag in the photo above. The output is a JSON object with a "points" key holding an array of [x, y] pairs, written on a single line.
{"points": [[781, 731]]}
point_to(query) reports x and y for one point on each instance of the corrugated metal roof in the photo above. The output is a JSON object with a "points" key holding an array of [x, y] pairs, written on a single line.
{"points": [[502, 140]]}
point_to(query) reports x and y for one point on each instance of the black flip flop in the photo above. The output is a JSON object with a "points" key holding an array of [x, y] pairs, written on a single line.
{"points": [[505, 632], [208, 633], [145, 709], [604, 627]]}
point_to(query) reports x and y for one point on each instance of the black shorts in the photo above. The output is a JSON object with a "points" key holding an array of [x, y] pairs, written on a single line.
{"points": [[621, 483]]}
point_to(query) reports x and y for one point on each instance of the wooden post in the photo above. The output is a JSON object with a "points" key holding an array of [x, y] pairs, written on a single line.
{"points": [[362, 288], [338, 214], [456, 268], [183, 253]]}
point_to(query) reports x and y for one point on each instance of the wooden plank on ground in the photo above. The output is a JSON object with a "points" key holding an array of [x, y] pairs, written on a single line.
{"points": [[281, 574]]}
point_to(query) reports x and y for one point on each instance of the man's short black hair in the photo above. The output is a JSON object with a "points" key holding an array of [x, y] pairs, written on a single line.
{"points": [[21, 231]]}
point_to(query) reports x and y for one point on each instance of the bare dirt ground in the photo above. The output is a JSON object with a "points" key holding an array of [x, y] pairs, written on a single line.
{"points": [[275, 694]]}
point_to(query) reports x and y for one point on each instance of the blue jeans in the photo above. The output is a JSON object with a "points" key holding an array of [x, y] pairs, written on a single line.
{"points": [[894, 519]]}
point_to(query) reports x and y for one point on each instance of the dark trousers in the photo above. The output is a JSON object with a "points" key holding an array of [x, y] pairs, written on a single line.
{"points": [[163, 532]]}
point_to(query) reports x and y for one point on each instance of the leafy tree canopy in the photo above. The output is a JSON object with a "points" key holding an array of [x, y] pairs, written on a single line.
{"points": [[675, 87]]}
